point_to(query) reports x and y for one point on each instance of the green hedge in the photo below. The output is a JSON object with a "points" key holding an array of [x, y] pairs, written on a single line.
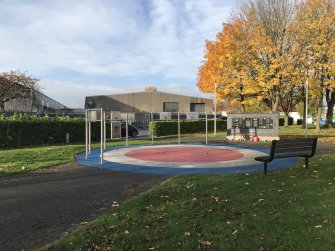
{"points": [[161, 128], [41, 132]]}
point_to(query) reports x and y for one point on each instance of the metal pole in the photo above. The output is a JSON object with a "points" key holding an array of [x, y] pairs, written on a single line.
{"points": [[306, 112], [86, 134], [127, 129], [214, 109], [178, 128], [111, 128], [89, 137], [152, 128], [206, 128], [104, 130], [101, 137]]}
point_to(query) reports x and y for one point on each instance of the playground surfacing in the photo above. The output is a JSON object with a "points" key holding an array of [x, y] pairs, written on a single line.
{"points": [[183, 159]]}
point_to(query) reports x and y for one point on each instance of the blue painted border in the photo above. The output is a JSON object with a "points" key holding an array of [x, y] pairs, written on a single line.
{"points": [[94, 161]]}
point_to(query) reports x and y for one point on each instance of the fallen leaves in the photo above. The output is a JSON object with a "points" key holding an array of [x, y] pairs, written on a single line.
{"points": [[115, 204], [205, 243]]}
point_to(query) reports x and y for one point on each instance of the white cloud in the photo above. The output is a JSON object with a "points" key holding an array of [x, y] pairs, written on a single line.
{"points": [[124, 39]]}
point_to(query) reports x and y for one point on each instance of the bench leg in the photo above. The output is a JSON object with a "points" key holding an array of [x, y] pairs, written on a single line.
{"points": [[306, 162], [265, 168]]}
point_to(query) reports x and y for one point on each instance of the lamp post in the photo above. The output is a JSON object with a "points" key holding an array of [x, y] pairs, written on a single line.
{"points": [[306, 111], [214, 109]]}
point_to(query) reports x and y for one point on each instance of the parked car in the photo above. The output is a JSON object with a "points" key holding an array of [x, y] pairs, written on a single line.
{"points": [[322, 121], [132, 130]]}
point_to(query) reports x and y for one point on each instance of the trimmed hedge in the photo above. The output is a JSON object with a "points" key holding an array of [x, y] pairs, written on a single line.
{"points": [[41, 132], [170, 127], [282, 121]]}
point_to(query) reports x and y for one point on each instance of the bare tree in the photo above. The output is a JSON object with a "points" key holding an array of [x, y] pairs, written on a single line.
{"points": [[17, 85]]}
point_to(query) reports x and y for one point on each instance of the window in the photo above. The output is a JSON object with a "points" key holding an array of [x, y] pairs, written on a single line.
{"points": [[197, 107], [171, 107]]}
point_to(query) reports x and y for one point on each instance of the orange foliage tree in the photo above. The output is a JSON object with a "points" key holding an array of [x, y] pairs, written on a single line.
{"points": [[267, 51]]}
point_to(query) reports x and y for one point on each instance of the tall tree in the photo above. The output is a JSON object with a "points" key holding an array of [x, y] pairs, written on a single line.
{"points": [[17, 85], [316, 35]]}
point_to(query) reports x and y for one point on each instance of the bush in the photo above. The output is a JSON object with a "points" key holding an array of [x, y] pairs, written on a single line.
{"points": [[160, 128], [282, 121], [23, 130], [42, 132]]}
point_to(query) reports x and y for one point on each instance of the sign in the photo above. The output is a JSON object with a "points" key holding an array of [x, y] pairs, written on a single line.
{"points": [[94, 115], [115, 115], [165, 116], [192, 115], [116, 130], [245, 123]]}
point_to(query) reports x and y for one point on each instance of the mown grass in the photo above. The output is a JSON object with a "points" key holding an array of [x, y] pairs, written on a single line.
{"points": [[326, 134], [288, 210], [32, 158]]}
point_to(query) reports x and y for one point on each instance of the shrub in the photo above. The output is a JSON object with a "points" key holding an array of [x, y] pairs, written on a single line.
{"points": [[160, 128], [23, 130], [282, 121], [23, 133]]}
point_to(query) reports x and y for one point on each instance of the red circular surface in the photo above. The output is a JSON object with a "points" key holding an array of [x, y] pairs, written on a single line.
{"points": [[184, 154]]}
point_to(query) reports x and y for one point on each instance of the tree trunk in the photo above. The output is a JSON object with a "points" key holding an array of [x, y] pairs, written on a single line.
{"points": [[275, 104], [330, 98], [286, 120], [318, 116], [2, 106], [304, 115], [330, 114]]}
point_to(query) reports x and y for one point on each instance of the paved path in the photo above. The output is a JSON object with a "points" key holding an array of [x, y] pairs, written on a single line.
{"points": [[36, 208]]}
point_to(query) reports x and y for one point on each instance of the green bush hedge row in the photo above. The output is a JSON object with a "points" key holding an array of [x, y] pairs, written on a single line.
{"points": [[160, 128], [41, 132], [25, 117]]}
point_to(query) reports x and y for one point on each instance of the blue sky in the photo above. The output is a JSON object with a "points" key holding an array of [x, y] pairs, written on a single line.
{"points": [[79, 48]]}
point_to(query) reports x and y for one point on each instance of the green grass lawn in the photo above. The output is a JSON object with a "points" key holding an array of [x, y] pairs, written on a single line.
{"points": [[288, 210], [32, 158], [326, 134]]}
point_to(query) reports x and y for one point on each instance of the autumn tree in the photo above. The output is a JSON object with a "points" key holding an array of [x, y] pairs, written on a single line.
{"points": [[315, 26], [269, 49], [15, 85], [228, 65]]}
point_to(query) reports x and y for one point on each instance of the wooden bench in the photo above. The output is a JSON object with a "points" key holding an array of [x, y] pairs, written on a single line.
{"points": [[304, 147]]}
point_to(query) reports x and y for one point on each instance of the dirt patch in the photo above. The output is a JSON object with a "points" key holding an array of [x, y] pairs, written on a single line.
{"points": [[39, 207]]}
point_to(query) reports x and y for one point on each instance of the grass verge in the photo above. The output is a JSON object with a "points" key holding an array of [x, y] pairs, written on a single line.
{"points": [[28, 159], [288, 210]]}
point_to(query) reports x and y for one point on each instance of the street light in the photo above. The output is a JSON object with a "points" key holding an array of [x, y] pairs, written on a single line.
{"points": [[306, 111], [214, 109]]}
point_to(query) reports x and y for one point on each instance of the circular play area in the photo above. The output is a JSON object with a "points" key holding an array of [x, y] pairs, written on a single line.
{"points": [[183, 159]]}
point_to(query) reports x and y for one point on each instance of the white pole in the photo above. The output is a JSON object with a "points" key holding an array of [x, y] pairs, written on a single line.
{"points": [[206, 129], [152, 128], [101, 136], [111, 128], [89, 137], [214, 109], [178, 128], [127, 129], [306, 111], [104, 130], [86, 134]]}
